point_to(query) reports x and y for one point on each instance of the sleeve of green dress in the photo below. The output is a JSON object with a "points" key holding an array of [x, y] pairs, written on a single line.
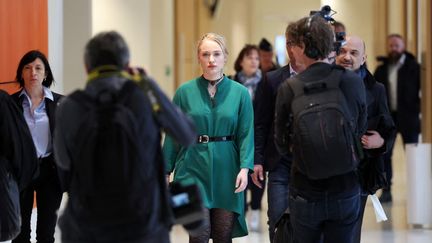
{"points": [[245, 131]]}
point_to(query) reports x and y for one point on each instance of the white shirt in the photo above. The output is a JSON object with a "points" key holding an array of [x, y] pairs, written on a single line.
{"points": [[393, 77]]}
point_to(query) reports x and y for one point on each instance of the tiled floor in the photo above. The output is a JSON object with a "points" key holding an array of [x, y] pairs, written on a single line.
{"points": [[395, 230]]}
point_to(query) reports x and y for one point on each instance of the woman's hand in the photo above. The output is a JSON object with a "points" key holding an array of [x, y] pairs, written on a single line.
{"points": [[167, 179], [242, 180]]}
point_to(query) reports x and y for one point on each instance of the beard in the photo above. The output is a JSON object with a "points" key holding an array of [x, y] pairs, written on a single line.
{"points": [[394, 57]]}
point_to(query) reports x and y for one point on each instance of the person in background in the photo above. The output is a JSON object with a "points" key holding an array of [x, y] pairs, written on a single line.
{"points": [[266, 56], [381, 130], [18, 165], [326, 205], [400, 74], [38, 104], [249, 74], [267, 158], [338, 27], [222, 158]]}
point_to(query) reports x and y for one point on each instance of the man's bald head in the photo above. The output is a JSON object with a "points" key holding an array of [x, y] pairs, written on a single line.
{"points": [[353, 54]]}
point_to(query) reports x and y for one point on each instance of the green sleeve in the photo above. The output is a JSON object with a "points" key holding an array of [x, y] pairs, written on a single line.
{"points": [[245, 131]]}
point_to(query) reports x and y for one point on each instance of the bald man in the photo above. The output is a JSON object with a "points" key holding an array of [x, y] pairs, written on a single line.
{"points": [[381, 132]]}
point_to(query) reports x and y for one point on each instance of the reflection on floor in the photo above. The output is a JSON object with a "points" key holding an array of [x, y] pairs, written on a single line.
{"points": [[395, 230]]}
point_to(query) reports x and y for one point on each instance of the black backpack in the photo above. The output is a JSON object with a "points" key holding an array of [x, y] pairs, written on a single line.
{"points": [[323, 130], [111, 179]]}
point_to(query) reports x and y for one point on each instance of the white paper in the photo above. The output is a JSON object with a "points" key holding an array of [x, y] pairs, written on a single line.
{"points": [[379, 211]]}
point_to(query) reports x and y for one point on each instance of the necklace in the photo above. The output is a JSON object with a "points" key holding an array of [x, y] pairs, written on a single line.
{"points": [[215, 81]]}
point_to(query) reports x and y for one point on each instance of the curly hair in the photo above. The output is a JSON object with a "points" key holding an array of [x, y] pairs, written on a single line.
{"points": [[314, 33]]}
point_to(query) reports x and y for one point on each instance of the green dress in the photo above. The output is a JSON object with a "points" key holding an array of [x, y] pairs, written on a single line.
{"points": [[214, 166]]}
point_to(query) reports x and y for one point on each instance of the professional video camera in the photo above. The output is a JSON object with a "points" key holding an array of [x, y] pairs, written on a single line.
{"points": [[326, 13], [187, 207]]}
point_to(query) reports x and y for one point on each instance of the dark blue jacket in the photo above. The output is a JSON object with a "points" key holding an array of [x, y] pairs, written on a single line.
{"points": [[266, 153]]}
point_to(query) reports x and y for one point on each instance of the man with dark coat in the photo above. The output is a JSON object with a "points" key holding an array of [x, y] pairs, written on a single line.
{"points": [[381, 130], [18, 165], [400, 74], [267, 157]]}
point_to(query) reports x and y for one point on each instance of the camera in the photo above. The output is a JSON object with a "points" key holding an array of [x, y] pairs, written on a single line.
{"points": [[326, 13], [187, 207]]}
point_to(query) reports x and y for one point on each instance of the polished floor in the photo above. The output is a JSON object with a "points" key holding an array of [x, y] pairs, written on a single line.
{"points": [[395, 230]]}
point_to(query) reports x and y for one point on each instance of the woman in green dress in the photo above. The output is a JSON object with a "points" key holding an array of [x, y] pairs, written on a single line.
{"points": [[220, 161]]}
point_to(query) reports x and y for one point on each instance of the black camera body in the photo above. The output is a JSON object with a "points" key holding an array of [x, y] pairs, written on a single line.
{"points": [[188, 207], [326, 13]]}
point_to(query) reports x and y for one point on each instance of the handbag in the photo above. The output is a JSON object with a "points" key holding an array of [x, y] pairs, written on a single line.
{"points": [[283, 229]]}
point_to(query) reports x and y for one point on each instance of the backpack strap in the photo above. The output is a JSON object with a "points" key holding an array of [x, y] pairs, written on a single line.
{"points": [[331, 81]]}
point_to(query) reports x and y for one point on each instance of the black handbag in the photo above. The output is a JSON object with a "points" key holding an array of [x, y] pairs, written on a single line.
{"points": [[10, 214], [283, 229]]}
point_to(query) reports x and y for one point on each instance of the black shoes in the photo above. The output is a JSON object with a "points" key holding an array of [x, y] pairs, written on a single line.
{"points": [[386, 196]]}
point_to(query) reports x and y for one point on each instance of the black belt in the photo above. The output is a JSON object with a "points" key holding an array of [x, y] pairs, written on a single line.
{"points": [[207, 139]]}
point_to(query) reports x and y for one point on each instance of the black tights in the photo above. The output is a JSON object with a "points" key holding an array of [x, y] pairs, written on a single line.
{"points": [[219, 228]]}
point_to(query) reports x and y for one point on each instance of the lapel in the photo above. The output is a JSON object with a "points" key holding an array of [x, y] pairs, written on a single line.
{"points": [[51, 107]]}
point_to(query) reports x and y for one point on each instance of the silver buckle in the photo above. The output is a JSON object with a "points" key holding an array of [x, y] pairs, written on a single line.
{"points": [[203, 139]]}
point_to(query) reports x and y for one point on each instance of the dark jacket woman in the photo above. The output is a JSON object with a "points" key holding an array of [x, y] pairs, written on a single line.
{"points": [[38, 105]]}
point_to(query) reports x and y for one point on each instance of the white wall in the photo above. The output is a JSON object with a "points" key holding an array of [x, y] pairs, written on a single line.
{"points": [[76, 33], [147, 26], [131, 18], [55, 42]]}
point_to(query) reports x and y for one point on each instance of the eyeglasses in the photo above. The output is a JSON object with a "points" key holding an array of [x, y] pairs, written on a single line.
{"points": [[290, 43]]}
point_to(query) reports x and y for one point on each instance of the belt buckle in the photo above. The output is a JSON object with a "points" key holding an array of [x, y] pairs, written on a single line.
{"points": [[203, 139]]}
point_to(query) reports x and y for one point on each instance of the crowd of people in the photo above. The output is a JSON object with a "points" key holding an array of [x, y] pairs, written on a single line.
{"points": [[319, 132]]}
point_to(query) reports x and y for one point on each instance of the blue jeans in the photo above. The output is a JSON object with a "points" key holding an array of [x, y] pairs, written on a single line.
{"points": [[332, 216], [277, 194]]}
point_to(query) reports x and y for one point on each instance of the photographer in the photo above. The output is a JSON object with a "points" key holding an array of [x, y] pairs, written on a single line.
{"points": [[324, 191], [108, 140]]}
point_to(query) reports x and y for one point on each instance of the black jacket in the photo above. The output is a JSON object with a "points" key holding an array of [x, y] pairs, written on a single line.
{"points": [[16, 144], [51, 107], [18, 165], [408, 87], [379, 119], [266, 153]]}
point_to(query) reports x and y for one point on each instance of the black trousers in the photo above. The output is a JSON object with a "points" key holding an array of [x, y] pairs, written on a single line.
{"points": [[406, 138], [48, 199], [256, 194]]}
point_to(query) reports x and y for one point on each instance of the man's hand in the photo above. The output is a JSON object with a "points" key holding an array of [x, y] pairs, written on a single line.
{"points": [[242, 180], [372, 140], [258, 175]]}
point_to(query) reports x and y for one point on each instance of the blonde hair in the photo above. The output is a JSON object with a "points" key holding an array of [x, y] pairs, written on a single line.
{"points": [[219, 39]]}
